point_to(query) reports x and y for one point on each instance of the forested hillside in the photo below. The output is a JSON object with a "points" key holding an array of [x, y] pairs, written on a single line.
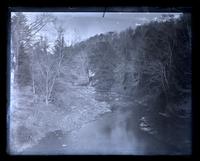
{"points": [[153, 60]]}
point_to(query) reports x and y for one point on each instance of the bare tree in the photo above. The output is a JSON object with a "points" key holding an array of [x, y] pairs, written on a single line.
{"points": [[47, 65], [23, 34]]}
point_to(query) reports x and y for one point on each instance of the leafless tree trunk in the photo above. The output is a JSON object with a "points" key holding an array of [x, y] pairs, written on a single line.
{"points": [[50, 87]]}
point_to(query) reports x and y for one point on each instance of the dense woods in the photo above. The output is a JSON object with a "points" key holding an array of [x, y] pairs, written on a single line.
{"points": [[150, 64], [154, 60]]}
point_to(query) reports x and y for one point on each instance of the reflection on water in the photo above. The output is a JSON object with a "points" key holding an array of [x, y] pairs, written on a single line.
{"points": [[117, 132]]}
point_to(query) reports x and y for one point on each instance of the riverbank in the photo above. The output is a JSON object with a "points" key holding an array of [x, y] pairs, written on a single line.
{"points": [[117, 132]]}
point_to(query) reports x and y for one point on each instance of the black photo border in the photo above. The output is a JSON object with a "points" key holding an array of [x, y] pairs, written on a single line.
{"points": [[102, 6]]}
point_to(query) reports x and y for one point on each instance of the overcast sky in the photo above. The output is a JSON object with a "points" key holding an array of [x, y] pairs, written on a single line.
{"points": [[83, 25]]}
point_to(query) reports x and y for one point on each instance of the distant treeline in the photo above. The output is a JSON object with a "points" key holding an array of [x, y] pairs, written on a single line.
{"points": [[152, 60]]}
